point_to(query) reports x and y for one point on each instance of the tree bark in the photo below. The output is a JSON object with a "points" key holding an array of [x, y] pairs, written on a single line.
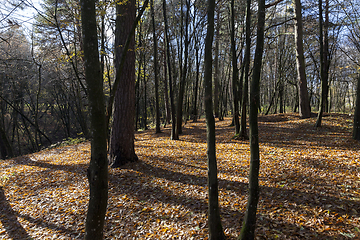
{"points": [[356, 127], [217, 65], [215, 227], [166, 93], [171, 92], [248, 228], [235, 71], [243, 133], [323, 61], [179, 110], [304, 105], [196, 87], [5, 146], [156, 70], [121, 148], [97, 172]]}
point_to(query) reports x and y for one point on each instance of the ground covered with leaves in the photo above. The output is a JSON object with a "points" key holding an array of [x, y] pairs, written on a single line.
{"points": [[309, 178]]}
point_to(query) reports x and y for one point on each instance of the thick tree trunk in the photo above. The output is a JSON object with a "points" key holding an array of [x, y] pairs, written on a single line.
{"points": [[304, 105], [215, 227], [98, 168], [248, 228], [121, 148]]}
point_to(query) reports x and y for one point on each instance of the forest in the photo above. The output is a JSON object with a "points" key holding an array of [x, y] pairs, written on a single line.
{"points": [[179, 119]]}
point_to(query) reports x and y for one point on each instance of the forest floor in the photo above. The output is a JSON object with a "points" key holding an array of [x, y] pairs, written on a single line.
{"points": [[309, 179]]}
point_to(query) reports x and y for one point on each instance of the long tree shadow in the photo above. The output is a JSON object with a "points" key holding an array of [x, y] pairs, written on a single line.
{"points": [[25, 160], [153, 193], [8, 218], [279, 133], [73, 233], [309, 197]]}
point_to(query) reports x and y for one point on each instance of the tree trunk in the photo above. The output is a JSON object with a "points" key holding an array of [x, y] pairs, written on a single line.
{"points": [[248, 228], [323, 61], [243, 134], [215, 227], [216, 65], [145, 117], [235, 72], [179, 110], [166, 94], [137, 103], [356, 127], [171, 92], [121, 148], [156, 70], [5, 147], [97, 172], [304, 105], [196, 88]]}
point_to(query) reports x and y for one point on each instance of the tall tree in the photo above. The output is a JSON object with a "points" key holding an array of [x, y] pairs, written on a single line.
{"points": [[197, 78], [235, 72], [216, 77], [97, 172], [243, 133], [304, 105], [215, 228], [156, 70], [183, 75], [121, 148], [248, 228], [324, 61], [171, 92]]}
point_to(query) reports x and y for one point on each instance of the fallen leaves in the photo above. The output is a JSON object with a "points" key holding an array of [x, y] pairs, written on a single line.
{"points": [[309, 180]]}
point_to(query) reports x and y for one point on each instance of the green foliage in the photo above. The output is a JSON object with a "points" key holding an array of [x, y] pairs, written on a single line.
{"points": [[68, 141]]}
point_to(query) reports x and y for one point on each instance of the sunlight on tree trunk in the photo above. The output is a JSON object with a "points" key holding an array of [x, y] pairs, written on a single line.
{"points": [[122, 149]]}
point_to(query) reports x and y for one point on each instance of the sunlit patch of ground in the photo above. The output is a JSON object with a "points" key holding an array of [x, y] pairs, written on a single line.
{"points": [[309, 178]]}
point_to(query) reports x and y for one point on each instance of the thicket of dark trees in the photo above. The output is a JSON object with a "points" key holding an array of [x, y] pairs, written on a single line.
{"points": [[309, 64]]}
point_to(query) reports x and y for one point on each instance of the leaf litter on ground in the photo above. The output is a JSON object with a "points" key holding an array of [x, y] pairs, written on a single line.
{"points": [[309, 185]]}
